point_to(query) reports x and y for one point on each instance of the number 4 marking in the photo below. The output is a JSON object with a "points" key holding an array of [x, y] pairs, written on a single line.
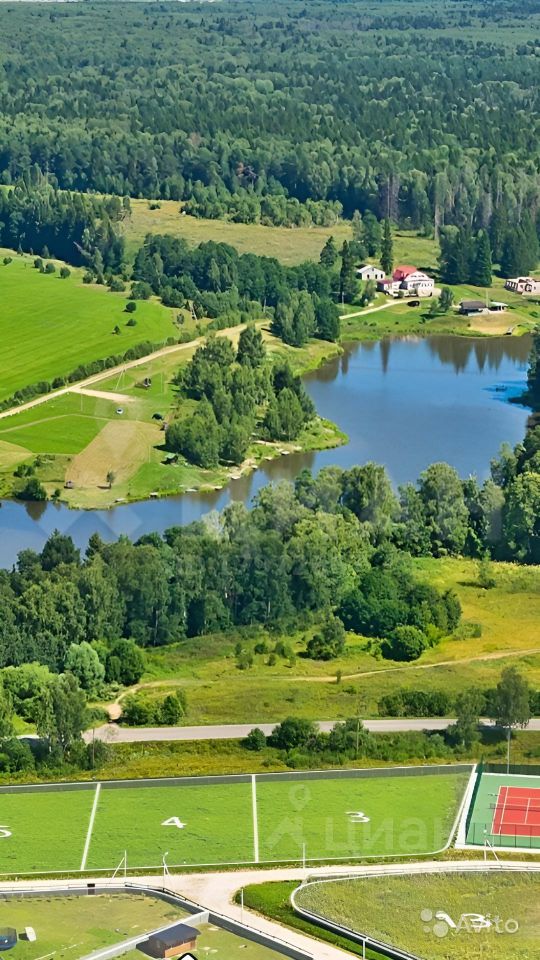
{"points": [[4, 832], [173, 822]]}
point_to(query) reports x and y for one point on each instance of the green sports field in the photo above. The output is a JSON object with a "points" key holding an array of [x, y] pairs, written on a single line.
{"points": [[231, 820], [506, 812]]}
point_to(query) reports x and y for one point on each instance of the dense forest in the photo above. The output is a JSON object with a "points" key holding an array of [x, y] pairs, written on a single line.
{"points": [[280, 112]]}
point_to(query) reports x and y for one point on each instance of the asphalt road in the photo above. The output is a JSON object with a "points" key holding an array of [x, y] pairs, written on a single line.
{"points": [[112, 733]]}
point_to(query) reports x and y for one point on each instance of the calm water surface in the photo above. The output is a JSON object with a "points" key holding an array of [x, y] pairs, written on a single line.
{"points": [[405, 403]]}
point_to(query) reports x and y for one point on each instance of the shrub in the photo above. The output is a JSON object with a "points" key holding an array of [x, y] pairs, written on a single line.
{"points": [[404, 644], [33, 490], [65, 272], [293, 732], [173, 708], [50, 268], [130, 307], [255, 740], [330, 642]]}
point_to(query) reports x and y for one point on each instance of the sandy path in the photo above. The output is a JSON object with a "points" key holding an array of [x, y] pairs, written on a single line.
{"points": [[232, 332]]}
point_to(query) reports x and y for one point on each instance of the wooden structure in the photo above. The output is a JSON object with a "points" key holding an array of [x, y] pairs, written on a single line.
{"points": [[176, 941]]}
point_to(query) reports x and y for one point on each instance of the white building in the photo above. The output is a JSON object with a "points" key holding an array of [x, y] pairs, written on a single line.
{"points": [[523, 285], [408, 281], [369, 272]]}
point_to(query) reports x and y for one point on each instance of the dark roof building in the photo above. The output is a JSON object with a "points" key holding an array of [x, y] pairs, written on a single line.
{"points": [[472, 306], [175, 941]]}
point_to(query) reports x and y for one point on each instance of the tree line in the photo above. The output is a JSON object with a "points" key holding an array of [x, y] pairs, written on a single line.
{"points": [[221, 283], [278, 113]]}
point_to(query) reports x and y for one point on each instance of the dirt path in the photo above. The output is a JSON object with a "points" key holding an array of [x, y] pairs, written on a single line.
{"points": [[384, 306], [104, 395], [232, 332]]}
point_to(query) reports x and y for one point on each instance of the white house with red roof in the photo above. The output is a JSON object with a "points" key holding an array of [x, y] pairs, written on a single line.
{"points": [[407, 281]]}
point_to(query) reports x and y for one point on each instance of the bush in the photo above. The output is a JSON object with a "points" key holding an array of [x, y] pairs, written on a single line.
{"points": [[255, 740], [330, 642], [136, 712], [65, 272], [404, 644], [130, 307], [125, 663], [50, 268], [15, 756], [172, 710], [293, 732], [33, 490]]}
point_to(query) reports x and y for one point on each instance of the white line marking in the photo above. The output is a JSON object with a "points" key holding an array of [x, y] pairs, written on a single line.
{"points": [[255, 820], [90, 826]]}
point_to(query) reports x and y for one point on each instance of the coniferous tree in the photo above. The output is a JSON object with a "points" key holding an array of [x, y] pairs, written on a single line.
{"points": [[481, 268], [387, 249], [348, 284], [329, 253]]}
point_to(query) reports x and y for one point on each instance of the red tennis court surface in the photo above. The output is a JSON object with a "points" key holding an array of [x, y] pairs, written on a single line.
{"points": [[517, 812]]}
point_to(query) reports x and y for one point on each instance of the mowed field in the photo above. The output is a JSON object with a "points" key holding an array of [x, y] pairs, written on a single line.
{"points": [[49, 326], [401, 910], [246, 819]]}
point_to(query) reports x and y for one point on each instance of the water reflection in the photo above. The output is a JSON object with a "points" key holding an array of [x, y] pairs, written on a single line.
{"points": [[405, 403]]}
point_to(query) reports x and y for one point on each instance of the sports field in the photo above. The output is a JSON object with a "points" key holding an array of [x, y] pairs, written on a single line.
{"points": [[506, 812], [227, 820]]}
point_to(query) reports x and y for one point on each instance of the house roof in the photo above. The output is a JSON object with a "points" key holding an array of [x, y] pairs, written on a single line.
{"points": [[473, 305], [403, 271], [173, 936]]}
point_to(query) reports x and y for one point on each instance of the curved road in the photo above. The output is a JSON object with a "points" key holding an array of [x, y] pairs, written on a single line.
{"points": [[112, 733]]}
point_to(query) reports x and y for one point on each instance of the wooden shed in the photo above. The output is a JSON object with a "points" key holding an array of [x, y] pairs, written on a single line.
{"points": [[176, 941]]}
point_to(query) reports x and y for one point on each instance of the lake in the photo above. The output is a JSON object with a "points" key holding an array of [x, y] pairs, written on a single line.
{"points": [[405, 403]]}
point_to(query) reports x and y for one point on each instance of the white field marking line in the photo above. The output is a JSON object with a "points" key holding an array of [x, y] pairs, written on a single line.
{"points": [[501, 821], [255, 818], [90, 827], [526, 822]]}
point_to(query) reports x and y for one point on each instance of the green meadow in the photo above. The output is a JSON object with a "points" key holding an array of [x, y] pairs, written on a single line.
{"points": [[50, 326]]}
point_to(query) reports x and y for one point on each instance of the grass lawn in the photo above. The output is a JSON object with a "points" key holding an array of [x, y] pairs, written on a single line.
{"points": [[390, 909], [47, 830], [402, 815], [75, 926], [217, 825], [49, 326]]}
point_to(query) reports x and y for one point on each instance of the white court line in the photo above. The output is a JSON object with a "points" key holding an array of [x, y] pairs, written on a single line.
{"points": [[90, 827], [527, 813], [501, 821], [255, 819]]}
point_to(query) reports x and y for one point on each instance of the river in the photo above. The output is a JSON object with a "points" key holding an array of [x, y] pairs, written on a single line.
{"points": [[405, 403]]}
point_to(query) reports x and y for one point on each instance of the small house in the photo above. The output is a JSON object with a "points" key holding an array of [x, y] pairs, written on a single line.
{"points": [[369, 272], [471, 308], [176, 941]]}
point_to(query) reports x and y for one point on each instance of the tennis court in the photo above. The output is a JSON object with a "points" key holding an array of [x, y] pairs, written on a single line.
{"points": [[505, 812]]}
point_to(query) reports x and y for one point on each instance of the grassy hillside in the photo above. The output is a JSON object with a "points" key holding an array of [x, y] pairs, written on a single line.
{"points": [[290, 245], [218, 691], [50, 326]]}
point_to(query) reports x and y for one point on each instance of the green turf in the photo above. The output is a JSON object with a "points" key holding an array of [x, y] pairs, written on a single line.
{"points": [[481, 820], [222, 945], [49, 326], [407, 815], [391, 909], [48, 830], [218, 825], [70, 927]]}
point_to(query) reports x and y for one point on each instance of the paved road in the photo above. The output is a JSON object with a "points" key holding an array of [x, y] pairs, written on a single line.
{"points": [[112, 733]]}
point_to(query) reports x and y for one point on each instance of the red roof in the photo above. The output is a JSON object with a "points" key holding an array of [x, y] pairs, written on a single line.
{"points": [[401, 273]]}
